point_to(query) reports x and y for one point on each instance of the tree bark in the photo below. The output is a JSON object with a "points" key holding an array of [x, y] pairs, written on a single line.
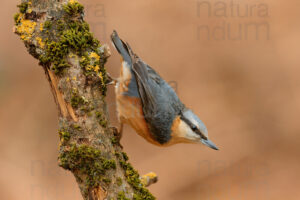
{"points": [[55, 33]]}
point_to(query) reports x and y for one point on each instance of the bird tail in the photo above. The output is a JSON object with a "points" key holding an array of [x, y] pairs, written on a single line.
{"points": [[121, 47]]}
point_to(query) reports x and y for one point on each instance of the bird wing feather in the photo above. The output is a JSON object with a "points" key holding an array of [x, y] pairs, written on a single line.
{"points": [[160, 104], [144, 85], [159, 101]]}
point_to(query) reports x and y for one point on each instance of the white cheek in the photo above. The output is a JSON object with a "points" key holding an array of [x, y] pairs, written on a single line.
{"points": [[126, 71], [186, 132]]}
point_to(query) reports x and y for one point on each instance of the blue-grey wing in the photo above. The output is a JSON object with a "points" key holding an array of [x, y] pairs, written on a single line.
{"points": [[160, 103]]}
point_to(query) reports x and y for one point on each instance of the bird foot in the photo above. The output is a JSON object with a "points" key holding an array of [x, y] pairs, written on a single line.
{"points": [[111, 80]]}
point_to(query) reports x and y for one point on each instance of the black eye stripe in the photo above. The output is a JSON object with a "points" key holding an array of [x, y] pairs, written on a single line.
{"points": [[193, 127], [188, 122]]}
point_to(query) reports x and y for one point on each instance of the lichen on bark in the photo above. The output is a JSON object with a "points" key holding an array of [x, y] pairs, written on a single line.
{"points": [[55, 33]]}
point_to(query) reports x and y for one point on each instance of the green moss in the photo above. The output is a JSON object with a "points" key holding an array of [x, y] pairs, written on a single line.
{"points": [[23, 7], [87, 109], [17, 18], [64, 135], [65, 35], [118, 155], [121, 196], [76, 99], [122, 156], [109, 164], [60, 67], [77, 127], [132, 177], [125, 156], [106, 180], [73, 8], [47, 24], [92, 63], [60, 26], [88, 161], [98, 114], [101, 119], [114, 140], [74, 36], [85, 60], [55, 54], [78, 37], [119, 181]]}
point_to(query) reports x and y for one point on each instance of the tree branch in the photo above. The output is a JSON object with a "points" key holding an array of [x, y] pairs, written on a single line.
{"points": [[55, 33]]}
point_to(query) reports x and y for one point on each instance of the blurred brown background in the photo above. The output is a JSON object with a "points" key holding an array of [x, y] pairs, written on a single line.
{"points": [[246, 91]]}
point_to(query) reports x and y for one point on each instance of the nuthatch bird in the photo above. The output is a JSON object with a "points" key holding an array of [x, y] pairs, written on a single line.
{"points": [[150, 106]]}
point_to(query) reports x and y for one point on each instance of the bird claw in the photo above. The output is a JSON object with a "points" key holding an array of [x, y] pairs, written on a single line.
{"points": [[110, 81]]}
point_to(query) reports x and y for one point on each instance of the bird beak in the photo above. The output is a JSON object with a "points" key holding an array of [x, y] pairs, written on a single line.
{"points": [[209, 144]]}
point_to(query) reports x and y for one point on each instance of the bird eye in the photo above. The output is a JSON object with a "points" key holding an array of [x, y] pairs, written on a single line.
{"points": [[194, 128]]}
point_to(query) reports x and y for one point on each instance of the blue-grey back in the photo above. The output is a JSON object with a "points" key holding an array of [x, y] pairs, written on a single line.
{"points": [[165, 107]]}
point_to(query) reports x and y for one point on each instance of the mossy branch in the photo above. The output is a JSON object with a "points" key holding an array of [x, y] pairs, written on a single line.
{"points": [[56, 34]]}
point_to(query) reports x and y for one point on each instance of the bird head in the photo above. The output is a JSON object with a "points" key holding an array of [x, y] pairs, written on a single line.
{"points": [[189, 128]]}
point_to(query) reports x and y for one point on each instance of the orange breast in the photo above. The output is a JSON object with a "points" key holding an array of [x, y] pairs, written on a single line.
{"points": [[130, 108], [130, 112]]}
